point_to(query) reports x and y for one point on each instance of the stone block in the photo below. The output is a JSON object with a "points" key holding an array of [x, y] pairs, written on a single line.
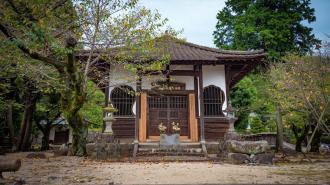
{"points": [[62, 151], [238, 158], [265, 158], [36, 155], [247, 147], [90, 147]]}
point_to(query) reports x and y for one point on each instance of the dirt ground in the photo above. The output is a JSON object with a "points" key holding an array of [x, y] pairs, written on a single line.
{"points": [[74, 170]]}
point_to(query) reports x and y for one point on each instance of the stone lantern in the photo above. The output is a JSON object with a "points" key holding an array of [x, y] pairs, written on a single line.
{"points": [[108, 119], [231, 116]]}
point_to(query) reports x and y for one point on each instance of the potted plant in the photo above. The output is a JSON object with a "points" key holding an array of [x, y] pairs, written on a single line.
{"points": [[176, 132], [169, 140]]}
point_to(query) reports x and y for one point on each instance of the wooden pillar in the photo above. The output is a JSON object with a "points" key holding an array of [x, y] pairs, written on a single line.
{"points": [[192, 118], [137, 115], [201, 112], [106, 104], [228, 81], [143, 118], [196, 90], [167, 73]]}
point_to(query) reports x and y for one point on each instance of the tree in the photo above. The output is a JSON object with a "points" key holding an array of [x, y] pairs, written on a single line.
{"points": [[93, 108], [301, 86], [273, 25], [47, 111], [242, 96], [49, 31]]}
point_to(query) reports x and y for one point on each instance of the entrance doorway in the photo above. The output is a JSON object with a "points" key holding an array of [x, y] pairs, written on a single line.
{"points": [[167, 109]]}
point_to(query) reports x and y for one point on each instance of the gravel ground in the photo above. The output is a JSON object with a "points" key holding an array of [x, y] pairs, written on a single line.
{"points": [[74, 170]]}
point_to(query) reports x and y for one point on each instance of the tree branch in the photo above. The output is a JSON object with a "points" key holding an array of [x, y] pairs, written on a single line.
{"points": [[33, 55]]}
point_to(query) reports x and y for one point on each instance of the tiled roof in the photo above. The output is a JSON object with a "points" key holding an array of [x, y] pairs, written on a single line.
{"points": [[184, 51]]}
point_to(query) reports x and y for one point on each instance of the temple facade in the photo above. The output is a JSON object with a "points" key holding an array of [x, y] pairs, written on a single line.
{"points": [[193, 91]]}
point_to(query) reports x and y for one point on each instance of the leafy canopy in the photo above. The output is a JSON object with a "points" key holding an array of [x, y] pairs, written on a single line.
{"points": [[273, 25]]}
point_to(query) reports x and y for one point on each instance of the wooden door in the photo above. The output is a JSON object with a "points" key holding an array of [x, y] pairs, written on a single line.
{"points": [[167, 109], [61, 137]]}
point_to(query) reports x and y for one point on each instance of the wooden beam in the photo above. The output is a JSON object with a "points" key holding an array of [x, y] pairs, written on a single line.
{"points": [[228, 81], [234, 78], [106, 104], [196, 90], [143, 118], [173, 73], [137, 115], [222, 61], [201, 101], [167, 72], [201, 112], [183, 73], [192, 118]]}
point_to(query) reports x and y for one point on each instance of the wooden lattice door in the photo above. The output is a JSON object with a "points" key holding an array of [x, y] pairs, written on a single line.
{"points": [[167, 109]]}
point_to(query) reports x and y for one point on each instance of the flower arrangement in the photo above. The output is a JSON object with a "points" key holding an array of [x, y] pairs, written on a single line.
{"points": [[162, 128], [176, 128]]}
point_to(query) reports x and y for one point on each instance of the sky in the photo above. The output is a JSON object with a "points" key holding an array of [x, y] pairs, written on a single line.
{"points": [[197, 18]]}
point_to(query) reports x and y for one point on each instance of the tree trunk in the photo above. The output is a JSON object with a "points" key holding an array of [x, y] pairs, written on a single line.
{"points": [[79, 135], [10, 124], [279, 125], [73, 99], [315, 144], [26, 124], [9, 166], [45, 138], [299, 139]]}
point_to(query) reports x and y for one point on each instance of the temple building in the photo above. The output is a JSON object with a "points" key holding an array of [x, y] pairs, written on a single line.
{"points": [[194, 93]]}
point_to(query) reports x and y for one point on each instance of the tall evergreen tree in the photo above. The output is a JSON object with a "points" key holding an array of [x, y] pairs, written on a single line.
{"points": [[274, 25]]}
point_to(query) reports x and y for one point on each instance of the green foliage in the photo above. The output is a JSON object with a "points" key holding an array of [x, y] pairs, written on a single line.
{"points": [[301, 86], [48, 107], [257, 125], [250, 95], [44, 31], [273, 25], [92, 110], [325, 139], [242, 96]]}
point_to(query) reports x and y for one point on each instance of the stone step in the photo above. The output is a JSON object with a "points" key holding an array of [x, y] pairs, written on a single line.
{"points": [[171, 159], [181, 145], [160, 149], [170, 152], [162, 154]]}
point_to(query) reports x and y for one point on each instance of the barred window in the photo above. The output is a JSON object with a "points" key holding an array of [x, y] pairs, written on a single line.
{"points": [[214, 98], [123, 99]]}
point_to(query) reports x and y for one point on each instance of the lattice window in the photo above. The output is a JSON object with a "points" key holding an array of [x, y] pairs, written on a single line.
{"points": [[171, 102], [123, 99], [214, 98]]}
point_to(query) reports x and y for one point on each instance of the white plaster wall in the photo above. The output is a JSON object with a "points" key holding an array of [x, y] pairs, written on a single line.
{"points": [[121, 76], [188, 80], [215, 75], [70, 135], [52, 134]]}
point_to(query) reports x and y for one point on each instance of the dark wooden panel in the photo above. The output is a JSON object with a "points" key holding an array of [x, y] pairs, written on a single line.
{"points": [[215, 128], [124, 127], [61, 137], [167, 109]]}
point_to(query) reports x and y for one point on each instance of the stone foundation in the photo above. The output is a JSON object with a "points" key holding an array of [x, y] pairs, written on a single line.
{"points": [[106, 147], [248, 152]]}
